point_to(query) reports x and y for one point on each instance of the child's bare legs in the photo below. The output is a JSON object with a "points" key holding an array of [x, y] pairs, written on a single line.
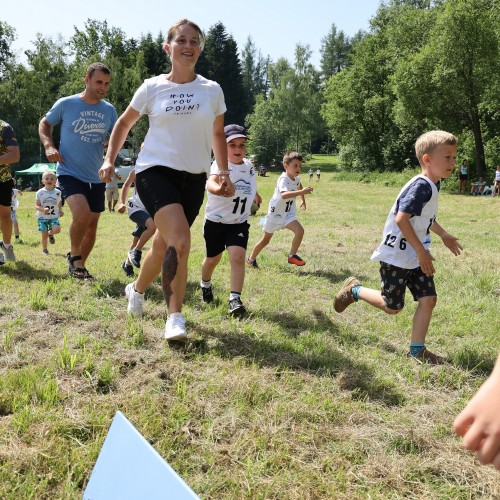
{"points": [[54, 230], [45, 238], [422, 318], [264, 241], [237, 261], [15, 226], [375, 299], [298, 232], [208, 266], [146, 235]]}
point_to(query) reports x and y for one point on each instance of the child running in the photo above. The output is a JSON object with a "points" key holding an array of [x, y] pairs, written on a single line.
{"points": [[226, 219], [13, 209], [404, 256], [282, 210], [48, 210], [145, 226]]}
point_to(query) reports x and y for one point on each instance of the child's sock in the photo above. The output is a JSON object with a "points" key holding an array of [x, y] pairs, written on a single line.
{"points": [[205, 284], [234, 295], [355, 291], [416, 348]]}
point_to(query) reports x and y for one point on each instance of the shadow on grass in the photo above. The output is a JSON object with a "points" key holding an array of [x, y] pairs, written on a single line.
{"points": [[23, 271], [320, 360], [473, 360], [334, 277]]}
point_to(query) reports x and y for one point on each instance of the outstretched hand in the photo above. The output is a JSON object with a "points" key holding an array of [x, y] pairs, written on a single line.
{"points": [[452, 243], [479, 422]]}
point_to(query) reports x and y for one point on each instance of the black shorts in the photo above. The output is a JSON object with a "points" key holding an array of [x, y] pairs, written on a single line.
{"points": [[6, 193], [463, 177], [219, 236], [394, 281], [93, 192], [136, 233], [160, 186]]}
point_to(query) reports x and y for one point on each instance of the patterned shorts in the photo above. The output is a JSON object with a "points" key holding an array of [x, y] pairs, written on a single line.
{"points": [[394, 281], [45, 225]]}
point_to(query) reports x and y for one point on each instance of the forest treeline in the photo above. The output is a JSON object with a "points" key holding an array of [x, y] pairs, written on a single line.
{"points": [[422, 64]]}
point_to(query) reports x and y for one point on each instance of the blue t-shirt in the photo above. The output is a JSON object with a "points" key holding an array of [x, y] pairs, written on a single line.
{"points": [[84, 128], [412, 201]]}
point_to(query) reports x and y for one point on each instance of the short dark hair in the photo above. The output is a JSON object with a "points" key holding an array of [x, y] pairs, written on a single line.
{"points": [[290, 156], [97, 66]]}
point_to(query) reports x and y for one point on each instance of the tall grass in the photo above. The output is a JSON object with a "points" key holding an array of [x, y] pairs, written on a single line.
{"points": [[294, 401]]}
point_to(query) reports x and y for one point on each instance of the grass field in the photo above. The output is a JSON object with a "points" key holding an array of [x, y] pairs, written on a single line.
{"points": [[294, 402]]}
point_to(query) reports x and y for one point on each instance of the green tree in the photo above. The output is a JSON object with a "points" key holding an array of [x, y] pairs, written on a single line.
{"points": [[254, 73], [219, 61], [7, 36], [29, 92], [335, 48], [452, 73], [290, 117]]}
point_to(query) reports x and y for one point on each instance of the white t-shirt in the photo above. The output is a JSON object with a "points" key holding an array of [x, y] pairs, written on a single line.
{"points": [[233, 210], [497, 175], [278, 207], [394, 249], [50, 199], [134, 204], [14, 202], [114, 181], [181, 118]]}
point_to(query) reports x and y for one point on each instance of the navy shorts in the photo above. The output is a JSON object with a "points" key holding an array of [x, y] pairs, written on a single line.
{"points": [[6, 193], [93, 192], [395, 280], [160, 186], [136, 233], [140, 217], [219, 236]]}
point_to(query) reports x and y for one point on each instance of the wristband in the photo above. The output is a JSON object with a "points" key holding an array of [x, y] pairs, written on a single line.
{"points": [[223, 172]]}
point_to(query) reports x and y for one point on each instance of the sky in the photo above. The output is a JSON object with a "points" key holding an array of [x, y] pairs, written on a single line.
{"points": [[276, 26]]}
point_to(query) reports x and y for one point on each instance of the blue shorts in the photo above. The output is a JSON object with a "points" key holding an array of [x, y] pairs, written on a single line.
{"points": [[136, 233], [93, 192], [45, 225], [13, 215], [140, 217], [395, 280]]}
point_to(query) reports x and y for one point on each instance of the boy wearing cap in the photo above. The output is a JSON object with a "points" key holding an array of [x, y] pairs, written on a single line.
{"points": [[226, 218]]}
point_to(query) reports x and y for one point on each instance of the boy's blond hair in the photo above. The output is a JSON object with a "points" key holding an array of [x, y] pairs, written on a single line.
{"points": [[429, 141], [290, 156], [48, 172]]}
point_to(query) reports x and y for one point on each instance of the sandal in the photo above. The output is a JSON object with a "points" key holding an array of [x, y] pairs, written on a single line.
{"points": [[88, 276], [77, 272]]}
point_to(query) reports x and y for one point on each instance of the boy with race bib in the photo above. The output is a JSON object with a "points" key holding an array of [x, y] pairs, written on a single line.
{"points": [[226, 219], [404, 256], [282, 210], [48, 210]]}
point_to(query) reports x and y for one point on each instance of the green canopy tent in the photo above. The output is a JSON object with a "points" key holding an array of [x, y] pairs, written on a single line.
{"points": [[37, 170]]}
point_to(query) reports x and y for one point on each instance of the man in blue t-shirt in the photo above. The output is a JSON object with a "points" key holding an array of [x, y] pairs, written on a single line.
{"points": [[86, 121]]}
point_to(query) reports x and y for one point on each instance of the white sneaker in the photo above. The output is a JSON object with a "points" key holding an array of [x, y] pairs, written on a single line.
{"points": [[9, 252], [135, 300], [175, 327]]}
